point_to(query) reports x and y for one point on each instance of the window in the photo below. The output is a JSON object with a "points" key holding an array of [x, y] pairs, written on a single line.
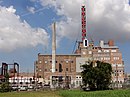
{"points": [[39, 76], [99, 51], [90, 52], [113, 51], [67, 61], [40, 61], [106, 51], [77, 82], [66, 69], [45, 69], [116, 74], [83, 53], [45, 62], [60, 68], [27, 83], [106, 58], [116, 58]]}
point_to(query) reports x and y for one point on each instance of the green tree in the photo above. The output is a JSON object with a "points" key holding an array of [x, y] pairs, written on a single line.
{"points": [[5, 84], [96, 75]]}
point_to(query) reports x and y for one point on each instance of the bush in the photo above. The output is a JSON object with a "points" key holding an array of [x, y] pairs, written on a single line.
{"points": [[5, 87]]}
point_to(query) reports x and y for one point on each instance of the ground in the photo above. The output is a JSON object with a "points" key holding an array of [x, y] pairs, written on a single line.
{"points": [[30, 94], [69, 93]]}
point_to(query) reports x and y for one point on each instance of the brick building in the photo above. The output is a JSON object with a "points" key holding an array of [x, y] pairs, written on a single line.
{"points": [[68, 67], [65, 69], [106, 52]]}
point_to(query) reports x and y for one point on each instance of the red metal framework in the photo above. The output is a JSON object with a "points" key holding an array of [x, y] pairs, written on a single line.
{"points": [[4, 70], [83, 19]]}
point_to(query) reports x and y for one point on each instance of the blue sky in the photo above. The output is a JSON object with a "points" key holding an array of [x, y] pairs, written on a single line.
{"points": [[25, 28]]}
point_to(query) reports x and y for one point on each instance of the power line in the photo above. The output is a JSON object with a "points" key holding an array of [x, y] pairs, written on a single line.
{"points": [[74, 46], [38, 10], [78, 34]]}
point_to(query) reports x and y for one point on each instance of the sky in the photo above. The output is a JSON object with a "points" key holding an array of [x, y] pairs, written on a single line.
{"points": [[25, 27]]}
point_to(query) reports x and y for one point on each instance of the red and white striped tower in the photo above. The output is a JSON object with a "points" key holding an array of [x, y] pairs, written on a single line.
{"points": [[84, 30], [83, 20]]}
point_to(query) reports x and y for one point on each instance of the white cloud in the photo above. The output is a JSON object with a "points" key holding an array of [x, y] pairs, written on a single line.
{"points": [[107, 19], [110, 21], [31, 9], [15, 33], [69, 25], [11, 9]]}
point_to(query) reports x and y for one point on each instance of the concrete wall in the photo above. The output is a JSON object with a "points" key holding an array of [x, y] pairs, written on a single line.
{"points": [[80, 61]]}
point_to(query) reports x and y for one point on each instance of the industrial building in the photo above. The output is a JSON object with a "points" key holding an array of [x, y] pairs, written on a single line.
{"points": [[68, 67], [106, 52], [64, 70]]}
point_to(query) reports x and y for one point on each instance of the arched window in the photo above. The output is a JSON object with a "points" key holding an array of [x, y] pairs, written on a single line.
{"points": [[60, 67]]}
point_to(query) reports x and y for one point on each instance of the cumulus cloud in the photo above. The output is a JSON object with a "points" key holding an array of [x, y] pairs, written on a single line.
{"points": [[109, 20], [69, 25], [15, 33], [106, 19], [31, 9]]}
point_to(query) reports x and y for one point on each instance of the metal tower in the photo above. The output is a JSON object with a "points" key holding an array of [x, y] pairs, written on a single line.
{"points": [[83, 20]]}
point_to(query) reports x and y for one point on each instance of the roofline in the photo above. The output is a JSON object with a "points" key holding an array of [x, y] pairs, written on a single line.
{"points": [[60, 54], [111, 47]]}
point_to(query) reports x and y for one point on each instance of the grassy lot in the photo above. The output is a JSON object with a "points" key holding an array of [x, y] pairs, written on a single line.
{"points": [[30, 94], [69, 93], [110, 93]]}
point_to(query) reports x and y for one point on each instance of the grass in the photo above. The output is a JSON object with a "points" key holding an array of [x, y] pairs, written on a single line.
{"points": [[30, 94], [69, 93], [110, 93]]}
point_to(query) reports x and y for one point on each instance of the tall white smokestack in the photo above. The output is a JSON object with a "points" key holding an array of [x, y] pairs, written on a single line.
{"points": [[53, 46]]}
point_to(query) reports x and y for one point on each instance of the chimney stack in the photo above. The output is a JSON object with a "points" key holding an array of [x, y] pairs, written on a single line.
{"points": [[53, 46], [111, 43]]}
